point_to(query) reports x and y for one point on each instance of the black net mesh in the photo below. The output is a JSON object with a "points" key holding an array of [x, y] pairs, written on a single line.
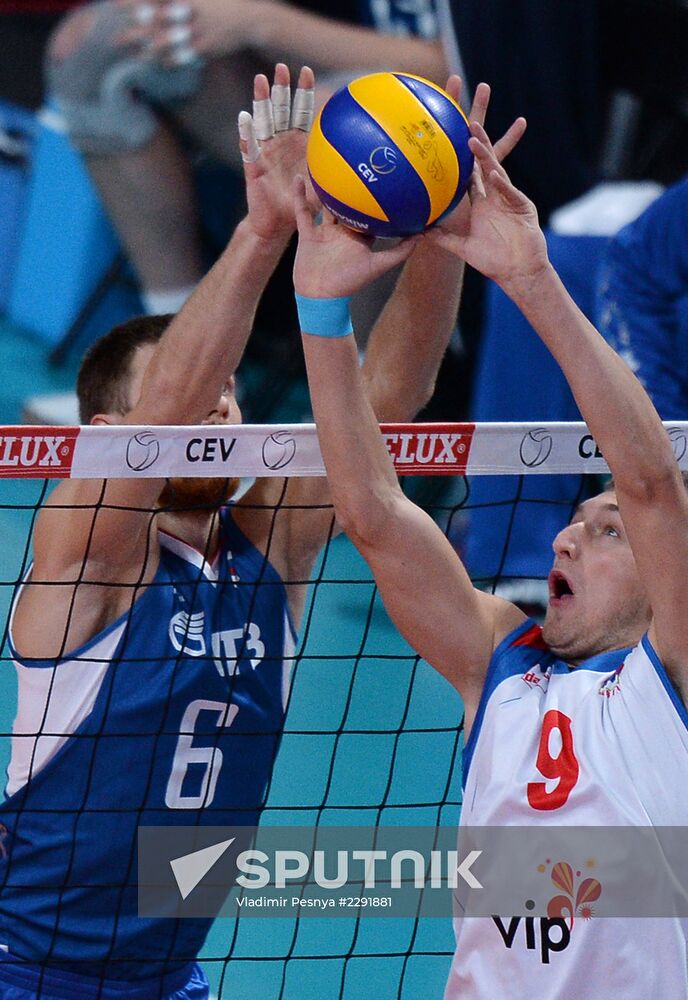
{"points": [[372, 736]]}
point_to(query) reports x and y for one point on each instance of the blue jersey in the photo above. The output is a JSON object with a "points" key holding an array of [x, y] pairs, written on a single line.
{"points": [[171, 715], [642, 308]]}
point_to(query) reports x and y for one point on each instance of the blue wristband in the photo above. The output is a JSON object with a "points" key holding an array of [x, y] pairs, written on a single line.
{"points": [[324, 317]]}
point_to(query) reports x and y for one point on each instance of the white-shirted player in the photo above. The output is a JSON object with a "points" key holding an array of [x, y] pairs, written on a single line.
{"points": [[583, 722]]}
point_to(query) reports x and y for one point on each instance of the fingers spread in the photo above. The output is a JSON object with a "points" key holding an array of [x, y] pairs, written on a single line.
{"points": [[481, 147], [272, 108]]}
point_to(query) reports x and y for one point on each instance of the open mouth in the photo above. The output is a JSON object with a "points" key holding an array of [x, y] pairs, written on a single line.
{"points": [[560, 588]]}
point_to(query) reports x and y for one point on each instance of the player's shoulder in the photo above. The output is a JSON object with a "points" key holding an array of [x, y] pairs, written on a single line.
{"points": [[507, 620]]}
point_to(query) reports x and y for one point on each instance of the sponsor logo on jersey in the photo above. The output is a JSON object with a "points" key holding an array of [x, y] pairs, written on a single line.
{"points": [[231, 568], [610, 685], [234, 646], [576, 893], [26, 452], [536, 677], [541, 935], [186, 633], [432, 450]]}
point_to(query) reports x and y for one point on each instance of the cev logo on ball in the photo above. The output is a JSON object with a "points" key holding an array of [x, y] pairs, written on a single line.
{"points": [[383, 160]]}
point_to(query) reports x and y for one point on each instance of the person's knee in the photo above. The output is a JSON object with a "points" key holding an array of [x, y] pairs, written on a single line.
{"points": [[105, 90]]}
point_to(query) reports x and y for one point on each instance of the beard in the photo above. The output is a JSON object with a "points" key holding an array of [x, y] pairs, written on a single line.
{"points": [[190, 494]]}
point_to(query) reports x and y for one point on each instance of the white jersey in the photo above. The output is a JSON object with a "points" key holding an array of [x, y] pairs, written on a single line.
{"points": [[602, 744]]}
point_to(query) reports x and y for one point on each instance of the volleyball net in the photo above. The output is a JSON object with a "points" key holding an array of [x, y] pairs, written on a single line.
{"points": [[372, 735]]}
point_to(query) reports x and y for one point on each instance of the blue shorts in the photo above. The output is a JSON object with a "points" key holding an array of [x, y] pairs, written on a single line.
{"points": [[23, 981]]}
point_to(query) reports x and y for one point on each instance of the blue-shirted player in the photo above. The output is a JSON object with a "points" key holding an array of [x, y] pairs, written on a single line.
{"points": [[154, 631]]}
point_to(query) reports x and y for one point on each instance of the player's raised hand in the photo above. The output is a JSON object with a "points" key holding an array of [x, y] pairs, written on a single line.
{"points": [[504, 241], [332, 260], [458, 221], [273, 148]]}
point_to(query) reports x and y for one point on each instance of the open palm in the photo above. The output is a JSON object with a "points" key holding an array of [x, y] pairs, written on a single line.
{"points": [[273, 163], [504, 240]]}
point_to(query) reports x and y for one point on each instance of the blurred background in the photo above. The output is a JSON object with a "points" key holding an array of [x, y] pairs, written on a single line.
{"points": [[604, 86]]}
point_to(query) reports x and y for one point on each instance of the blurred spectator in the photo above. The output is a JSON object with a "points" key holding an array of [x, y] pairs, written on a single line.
{"points": [[543, 61], [600, 113], [145, 86], [602, 84], [642, 307]]}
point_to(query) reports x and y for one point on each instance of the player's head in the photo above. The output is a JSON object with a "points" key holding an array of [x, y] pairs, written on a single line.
{"points": [[109, 385], [597, 601]]}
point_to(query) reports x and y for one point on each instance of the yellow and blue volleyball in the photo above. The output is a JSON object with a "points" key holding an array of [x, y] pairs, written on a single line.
{"points": [[388, 154]]}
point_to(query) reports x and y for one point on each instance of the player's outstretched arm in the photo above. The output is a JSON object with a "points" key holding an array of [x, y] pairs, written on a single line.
{"points": [[102, 533], [423, 584], [403, 356], [506, 244], [409, 340]]}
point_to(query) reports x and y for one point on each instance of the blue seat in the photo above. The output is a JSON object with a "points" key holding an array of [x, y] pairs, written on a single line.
{"points": [[68, 249], [18, 126]]}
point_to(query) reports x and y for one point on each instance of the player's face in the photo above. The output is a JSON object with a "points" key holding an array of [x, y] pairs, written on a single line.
{"points": [[185, 493], [596, 601]]}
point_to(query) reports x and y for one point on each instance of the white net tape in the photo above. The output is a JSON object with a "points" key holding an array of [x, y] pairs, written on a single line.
{"points": [[292, 450]]}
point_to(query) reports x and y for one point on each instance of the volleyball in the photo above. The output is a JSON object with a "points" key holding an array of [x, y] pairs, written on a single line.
{"points": [[388, 154]]}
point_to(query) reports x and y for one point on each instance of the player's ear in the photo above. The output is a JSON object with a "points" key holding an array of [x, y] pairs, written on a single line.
{"points": [[103, 419]]}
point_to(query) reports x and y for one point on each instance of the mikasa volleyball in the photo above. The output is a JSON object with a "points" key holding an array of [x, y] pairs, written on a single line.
{"points": [[388, 154]]}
